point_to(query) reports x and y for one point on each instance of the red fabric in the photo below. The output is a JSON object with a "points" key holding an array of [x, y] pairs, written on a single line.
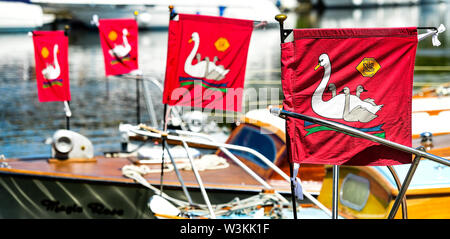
{"points": [[170, 82], [379, 59], [52, 74], [224, 43], [121, 57]]}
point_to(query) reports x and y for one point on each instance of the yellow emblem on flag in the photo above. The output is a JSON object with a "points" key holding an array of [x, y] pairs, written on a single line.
{"points": [[368, 67], [222, 44], [45, 52], [112, 35]]}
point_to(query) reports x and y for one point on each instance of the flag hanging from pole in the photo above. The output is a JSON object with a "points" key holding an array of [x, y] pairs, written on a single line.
{"points": [[361, 78], [52, 65], [119, 41], [206, 62]]}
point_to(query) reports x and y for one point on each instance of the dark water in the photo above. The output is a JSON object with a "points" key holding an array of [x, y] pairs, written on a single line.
{"points": [[98, 104]]}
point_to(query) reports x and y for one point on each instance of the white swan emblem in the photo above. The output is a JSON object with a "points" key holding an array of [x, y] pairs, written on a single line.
{"points": [[203, 69], [120, 51], [52, 72], [334, 108], [357, 113]]}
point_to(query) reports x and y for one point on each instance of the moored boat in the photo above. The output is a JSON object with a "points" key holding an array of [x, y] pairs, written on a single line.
{"points": [[370, 192], [153, 14], [21, 17], [84, 187]]}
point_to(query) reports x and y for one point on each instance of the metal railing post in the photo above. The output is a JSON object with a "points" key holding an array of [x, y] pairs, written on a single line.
{"points": [[405, 186], [239, 148], [183, 186], [335, 202], [399, 186], [199, 181]]}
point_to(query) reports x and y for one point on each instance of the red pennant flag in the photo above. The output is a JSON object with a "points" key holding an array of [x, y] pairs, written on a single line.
{"points": [[206, 62], [361, 78], [119, 41], [51, 50]]}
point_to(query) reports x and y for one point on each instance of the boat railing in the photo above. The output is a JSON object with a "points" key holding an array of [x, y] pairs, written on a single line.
{"points": [[419, 153], [210, 142]]}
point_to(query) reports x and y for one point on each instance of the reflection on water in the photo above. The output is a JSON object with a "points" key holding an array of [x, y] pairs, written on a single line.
{"points": [[99, 104]]}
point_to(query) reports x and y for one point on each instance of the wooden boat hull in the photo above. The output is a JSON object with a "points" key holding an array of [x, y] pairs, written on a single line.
{"points": [[425, 200], [42, 197], [41, 188]]}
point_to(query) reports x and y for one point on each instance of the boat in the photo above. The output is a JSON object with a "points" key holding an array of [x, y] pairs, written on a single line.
{"points": [[431, 110], [153, 13], [73, 183], [21, 17], [368, 3], [428, 194]]}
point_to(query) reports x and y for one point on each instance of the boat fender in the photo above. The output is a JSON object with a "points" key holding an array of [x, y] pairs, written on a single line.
{"points": [[160, 206]]}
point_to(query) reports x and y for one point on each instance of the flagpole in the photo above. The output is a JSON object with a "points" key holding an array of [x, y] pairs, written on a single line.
{"points": [[165, 116], [67, 103], [138, 78], [281, 18]]}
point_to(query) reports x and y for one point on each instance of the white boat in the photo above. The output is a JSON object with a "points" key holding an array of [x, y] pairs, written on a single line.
{"points": [[155, 14], [368, 3], [21, 17], [431, 111]]}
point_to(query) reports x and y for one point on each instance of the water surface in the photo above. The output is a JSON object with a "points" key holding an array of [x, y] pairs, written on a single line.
{"points": [[100, 104]]}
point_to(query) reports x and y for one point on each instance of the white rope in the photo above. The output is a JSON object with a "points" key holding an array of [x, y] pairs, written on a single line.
{"points": [[206, 162], [434, 38], [434, 35], [136, 172]]}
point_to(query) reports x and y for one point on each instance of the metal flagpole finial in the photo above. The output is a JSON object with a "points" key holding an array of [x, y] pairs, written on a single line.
{"points": [[172, 12], [283, 33], [280, 18], [66, 30]]}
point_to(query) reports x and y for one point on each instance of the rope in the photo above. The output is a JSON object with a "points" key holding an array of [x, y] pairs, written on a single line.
{"points": [[210, 162], [206, 162], [235, 206], [136, 172]]}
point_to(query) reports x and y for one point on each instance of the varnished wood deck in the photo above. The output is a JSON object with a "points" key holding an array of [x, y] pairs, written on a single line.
{"points": [[109, 170]]}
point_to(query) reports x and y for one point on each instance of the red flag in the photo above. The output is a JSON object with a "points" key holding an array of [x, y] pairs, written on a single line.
{"points": [[206, 62], [119, 41], [51, 50], [358, 77]]}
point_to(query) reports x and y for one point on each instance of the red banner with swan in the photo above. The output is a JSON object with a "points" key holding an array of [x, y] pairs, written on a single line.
{"points": [[52, 65], [119, 41], [358, 77], [206, 62]]}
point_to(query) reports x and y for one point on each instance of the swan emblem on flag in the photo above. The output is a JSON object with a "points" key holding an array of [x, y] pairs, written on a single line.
{"points": [[345, 106], [52, 71], [205, 68], [120, 50]]}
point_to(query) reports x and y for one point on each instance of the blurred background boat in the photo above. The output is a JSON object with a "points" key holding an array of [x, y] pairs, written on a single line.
{"points": [[20, 16], [153, 13], [368, 3]]}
